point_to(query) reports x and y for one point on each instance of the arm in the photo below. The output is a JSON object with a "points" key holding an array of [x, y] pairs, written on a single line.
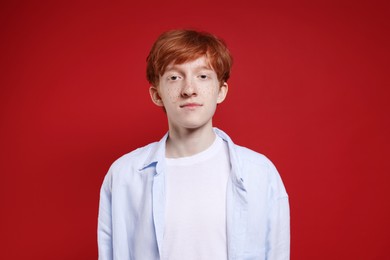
{"points": [[279, 230], [105, 245], [278, 242]]}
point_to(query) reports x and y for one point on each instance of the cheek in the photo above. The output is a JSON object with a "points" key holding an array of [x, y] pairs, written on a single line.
{"points": [[172, 94], [209, 91]]}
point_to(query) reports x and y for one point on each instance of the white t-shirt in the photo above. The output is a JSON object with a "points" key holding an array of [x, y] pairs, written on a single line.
{"points": [[195, 214]]}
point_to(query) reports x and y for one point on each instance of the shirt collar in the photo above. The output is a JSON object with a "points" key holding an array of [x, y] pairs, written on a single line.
{"points": [[234, 159], [157, 153]]}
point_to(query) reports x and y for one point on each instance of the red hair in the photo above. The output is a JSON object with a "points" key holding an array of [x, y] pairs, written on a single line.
{"points": [[180, 46]]}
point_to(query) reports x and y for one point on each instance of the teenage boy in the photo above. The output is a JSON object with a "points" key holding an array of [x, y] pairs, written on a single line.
{"points": [[194, 195]]}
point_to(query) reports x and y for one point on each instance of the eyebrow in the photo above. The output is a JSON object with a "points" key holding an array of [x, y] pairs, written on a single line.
{"points": [[206, 68], [175, 67]]}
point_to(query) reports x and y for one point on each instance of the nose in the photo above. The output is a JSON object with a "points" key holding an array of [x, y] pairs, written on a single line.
{"points": [[189, 89]]}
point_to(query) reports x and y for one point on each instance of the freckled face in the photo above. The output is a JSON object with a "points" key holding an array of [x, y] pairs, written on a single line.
{"points": [[189, 92]]}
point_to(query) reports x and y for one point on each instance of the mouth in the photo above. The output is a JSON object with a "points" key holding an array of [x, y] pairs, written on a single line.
{"points": [[190, 105]]}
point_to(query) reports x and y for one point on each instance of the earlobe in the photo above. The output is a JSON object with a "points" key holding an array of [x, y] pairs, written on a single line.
{"points": [[155, 96], [223, 90]]}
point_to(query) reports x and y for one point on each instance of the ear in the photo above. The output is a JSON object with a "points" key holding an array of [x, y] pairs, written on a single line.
{"points": [[155, 96], [223, 90]]}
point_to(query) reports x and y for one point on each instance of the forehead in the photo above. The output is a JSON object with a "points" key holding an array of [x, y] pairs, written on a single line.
{"points": [[201, 62]]}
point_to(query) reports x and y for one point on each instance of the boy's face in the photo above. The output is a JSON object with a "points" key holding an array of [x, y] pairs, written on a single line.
{"points": [[189, 92]]}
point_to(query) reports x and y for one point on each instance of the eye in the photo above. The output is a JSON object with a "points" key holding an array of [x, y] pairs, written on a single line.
{"points": [[173, 77], [203, 76]]}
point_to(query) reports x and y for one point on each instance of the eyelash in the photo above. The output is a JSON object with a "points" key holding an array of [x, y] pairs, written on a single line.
{"points": [[175, 77]]}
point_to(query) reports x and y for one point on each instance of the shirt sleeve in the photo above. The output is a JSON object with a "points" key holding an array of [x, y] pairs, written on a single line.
{"points": [[278, 222], [105, 221]]}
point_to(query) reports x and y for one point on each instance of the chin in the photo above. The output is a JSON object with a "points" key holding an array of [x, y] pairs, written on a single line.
{"points": [[191, 123], [195, 125]]}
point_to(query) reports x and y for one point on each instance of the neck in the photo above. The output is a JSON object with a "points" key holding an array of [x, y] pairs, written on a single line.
{"points": [[187, 142]]}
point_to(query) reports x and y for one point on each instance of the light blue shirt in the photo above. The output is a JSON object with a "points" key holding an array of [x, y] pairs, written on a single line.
{"points": [[132, 199]]}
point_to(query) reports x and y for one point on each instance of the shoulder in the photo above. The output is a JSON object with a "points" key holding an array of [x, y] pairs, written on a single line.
{"points": [[134, 158], [124, 169], [249, 156], [254, 166], [245, 156], [258, 169]]}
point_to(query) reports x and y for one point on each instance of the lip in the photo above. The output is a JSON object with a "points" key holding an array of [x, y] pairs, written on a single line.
{"points": [[190, 105]]}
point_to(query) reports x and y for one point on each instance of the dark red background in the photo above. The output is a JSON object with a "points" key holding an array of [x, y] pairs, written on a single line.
{"points": [[309, 88]]}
